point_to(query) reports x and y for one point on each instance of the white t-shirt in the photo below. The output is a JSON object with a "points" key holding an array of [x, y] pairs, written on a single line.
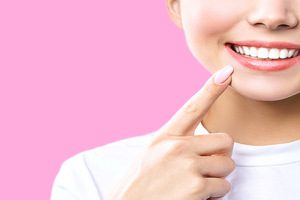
{"points": [[270, 172]]}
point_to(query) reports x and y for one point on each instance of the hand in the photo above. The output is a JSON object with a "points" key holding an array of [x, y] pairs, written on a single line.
{"points": [[180, 165]]}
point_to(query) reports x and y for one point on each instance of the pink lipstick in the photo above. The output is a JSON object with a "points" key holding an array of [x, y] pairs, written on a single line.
{"points": [[266, 63]]}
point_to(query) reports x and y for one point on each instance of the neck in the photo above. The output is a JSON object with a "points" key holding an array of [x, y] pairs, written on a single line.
{"points": [[255, 122]]}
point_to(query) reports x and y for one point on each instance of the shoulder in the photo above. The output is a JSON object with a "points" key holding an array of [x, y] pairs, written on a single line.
{"points": [[110, 150], [116, 150], [95, 171]]}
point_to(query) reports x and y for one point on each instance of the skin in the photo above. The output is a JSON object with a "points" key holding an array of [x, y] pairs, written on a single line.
{"points": [[180, 165], [259, 108]]}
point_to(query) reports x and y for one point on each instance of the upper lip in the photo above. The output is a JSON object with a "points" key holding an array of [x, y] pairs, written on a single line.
{"points": [[255, 43]]}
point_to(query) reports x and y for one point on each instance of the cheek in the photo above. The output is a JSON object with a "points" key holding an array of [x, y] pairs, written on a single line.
{"points": [[211, 18], [206, 24], [217, 25]]}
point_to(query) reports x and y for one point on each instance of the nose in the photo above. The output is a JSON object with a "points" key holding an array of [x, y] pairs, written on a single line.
{"points": [[274, 14]]}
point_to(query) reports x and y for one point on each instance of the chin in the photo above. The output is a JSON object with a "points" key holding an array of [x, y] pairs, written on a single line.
{"points": [[259, 91]]}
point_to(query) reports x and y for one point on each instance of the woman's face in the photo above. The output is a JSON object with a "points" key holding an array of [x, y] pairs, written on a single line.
{"points": [[210, 24]]}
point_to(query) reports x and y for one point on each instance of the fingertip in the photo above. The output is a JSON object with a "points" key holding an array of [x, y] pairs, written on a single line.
{"points": [[221, 76]]}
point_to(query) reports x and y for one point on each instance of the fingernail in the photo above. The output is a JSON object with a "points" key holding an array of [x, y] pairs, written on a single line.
{"points": [[222, 75]]}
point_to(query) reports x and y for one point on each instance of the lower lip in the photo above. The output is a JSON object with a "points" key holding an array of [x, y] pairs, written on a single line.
{"points": [[263, 65]]}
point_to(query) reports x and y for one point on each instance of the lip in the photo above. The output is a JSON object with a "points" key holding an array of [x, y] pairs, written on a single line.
{"points": [[255, 43], [264, 64]]}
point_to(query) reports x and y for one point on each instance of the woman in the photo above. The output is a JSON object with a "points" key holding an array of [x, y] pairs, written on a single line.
{"points": [[250, 108]]}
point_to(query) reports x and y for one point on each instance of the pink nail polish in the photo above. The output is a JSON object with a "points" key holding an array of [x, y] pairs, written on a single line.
{"points": [[222, 75]]}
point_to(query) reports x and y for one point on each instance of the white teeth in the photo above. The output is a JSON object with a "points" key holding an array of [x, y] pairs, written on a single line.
{"points": [[263, 53], [283, 53], [241, 50], [253, 52], [246, 51], [274, 53], [291, 52]]}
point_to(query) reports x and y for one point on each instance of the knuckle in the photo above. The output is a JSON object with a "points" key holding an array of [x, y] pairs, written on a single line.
{"points": [[229, 164], [227, 140], [176, 146], [208, 88], [169, 145], [198, 185], [190, 107], [191, 164]]}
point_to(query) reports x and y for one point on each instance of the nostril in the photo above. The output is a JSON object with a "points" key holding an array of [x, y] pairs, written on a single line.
{"points": [[283, 27], [273, 27], [260, 25]]}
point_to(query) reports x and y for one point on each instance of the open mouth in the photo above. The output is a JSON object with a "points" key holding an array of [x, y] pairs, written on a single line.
{"points": [[265, 53], [264, 58]]}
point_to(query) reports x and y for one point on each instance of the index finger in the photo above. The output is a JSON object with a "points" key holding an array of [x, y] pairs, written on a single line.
{"points": [[187, 118]]}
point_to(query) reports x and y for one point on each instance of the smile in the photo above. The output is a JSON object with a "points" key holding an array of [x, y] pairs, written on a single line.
{"points": [[265, 53], [264, 56]]}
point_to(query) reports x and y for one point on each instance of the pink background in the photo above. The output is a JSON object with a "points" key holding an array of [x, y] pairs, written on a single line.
{"points": [[75, 75]]}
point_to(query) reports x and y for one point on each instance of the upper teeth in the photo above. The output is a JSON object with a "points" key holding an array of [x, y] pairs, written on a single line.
{"points": [[272, 53]]}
